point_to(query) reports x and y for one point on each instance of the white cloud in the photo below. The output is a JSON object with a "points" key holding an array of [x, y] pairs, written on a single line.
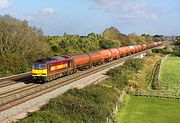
{"points": [[47, 11], [4, 4], [128, 9], [28, 17], [167, 10]]}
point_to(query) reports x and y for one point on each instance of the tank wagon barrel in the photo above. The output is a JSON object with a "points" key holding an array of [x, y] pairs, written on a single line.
{"points": [[114, 53], [106, 55], [95, 58], [80, 61]]}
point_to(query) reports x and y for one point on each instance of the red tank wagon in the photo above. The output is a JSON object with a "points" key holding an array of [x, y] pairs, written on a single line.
{"points": [[95, 58], [122, 52], [150, 45], [159, 43], [140, 47], [80, 61], [106, 55], [136, 48], [144, 46], [115, 53], [132, 49], [155, 44], [127, 50]]}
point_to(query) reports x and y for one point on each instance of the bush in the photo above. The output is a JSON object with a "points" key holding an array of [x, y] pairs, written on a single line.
{"points": [[176, 49], [121, 75], [158, 50], [169, 49], [92, 104], [135, 64]]}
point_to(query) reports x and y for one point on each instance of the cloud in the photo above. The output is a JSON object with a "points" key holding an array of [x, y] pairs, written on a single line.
{"points": [[167, 11], [134, 10], [28, 17], [4, 4], [47, 11]]}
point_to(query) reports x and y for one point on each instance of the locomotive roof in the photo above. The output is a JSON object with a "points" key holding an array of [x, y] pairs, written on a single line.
{"points": [[53, 59]]}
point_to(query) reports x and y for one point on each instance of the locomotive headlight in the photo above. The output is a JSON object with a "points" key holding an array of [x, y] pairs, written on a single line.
{"points": [[44, 72]]}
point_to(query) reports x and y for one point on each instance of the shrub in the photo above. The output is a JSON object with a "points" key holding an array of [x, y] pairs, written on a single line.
{"points": [[121, 75], [135, 64], [157, 50], [91, 104]]}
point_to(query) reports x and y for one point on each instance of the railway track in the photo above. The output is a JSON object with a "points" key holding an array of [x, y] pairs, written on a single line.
{"points": [[11, 80], [7, 83], [20, 95], [17, 90]]}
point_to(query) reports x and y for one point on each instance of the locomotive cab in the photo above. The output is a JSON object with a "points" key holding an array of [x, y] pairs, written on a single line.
{"points": [[48, 69], [39, 71]]}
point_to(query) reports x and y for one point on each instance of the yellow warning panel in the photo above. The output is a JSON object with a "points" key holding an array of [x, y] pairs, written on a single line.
{"points": [[59, 67]]}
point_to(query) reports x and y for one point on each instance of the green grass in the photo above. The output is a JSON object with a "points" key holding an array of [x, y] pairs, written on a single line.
{"points": [[149, 110], [170, 73]]}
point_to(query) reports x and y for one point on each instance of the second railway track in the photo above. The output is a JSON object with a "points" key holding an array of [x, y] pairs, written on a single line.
{"points": [[14, 79], [7, 83]]}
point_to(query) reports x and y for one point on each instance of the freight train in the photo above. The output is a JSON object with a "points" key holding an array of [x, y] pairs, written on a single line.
{"points": [[51, 68]]}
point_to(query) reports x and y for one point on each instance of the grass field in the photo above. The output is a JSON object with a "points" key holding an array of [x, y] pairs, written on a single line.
{"points": [[170, 73], [149, 110]]}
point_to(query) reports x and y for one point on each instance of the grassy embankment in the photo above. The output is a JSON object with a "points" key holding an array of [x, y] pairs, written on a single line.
{"points": [[143, 79], [149, 110], [170, 73]]}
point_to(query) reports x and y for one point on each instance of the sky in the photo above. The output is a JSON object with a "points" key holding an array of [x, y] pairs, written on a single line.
{"points": [[56, 17]]}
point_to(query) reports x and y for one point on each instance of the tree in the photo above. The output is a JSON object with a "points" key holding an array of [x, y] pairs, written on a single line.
{"points": [[20, 44], [111, 33]]}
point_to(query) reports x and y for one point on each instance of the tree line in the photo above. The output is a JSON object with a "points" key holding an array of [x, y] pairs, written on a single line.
{"points": [[110, 38], [177, 46]]}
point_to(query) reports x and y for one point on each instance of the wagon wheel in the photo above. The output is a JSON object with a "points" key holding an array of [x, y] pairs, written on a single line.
{"points": [[53, 77], [48, 79]]}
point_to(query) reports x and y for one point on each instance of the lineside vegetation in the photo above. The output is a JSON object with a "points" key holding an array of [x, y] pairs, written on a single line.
{"points": [[92, 104]]}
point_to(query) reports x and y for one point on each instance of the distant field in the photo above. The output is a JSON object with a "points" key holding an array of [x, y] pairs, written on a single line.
{"points": [[150, 110], [170, 73]]}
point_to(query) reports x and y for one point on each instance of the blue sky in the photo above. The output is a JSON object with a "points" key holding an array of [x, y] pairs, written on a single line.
{"points": [[55, 17]]}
